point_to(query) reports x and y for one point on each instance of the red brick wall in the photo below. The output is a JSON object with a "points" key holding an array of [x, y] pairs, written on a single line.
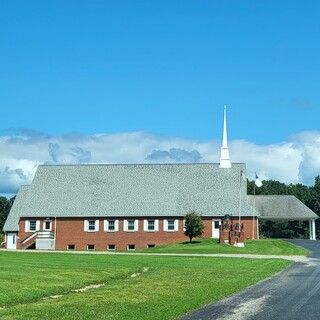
{"points": [[246, 221], [23, 234], [70, 231]]}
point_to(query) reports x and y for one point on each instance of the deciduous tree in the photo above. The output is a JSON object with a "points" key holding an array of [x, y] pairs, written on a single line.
{"points": [[193, 225]]}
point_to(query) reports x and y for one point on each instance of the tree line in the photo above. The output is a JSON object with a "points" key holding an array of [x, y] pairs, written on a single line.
{"points": [[310, 196], [5, 206]]}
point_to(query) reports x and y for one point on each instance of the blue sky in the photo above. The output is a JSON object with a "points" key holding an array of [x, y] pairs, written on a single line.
{"points": [[162, 69]]}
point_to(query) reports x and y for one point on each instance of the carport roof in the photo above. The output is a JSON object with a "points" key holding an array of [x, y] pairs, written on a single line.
{"points": [[281, 207]]}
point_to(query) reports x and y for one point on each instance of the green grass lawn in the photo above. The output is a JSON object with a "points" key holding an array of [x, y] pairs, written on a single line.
{"points": [[205, 245], [169, 287]]}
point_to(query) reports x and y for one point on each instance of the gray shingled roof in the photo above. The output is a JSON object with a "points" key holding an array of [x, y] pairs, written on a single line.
{"points": [[136, 190], [12, 222], [281, 207]]}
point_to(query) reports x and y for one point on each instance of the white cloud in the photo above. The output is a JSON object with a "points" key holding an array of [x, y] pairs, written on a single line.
{"points": [[296, 160]]}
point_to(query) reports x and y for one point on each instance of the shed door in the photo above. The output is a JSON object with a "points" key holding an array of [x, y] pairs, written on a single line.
{"points": [[11, 241], [215, 228]]}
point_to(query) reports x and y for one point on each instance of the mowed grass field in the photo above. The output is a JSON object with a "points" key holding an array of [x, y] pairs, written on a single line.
{"points": [[212, 246], [134, 287]]}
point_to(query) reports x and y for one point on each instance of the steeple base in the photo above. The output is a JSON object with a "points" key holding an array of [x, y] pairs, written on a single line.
{"points": [[225, 164], [225, 159]]}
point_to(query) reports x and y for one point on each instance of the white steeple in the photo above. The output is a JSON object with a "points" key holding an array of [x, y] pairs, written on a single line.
{"points": [[224, 156]]}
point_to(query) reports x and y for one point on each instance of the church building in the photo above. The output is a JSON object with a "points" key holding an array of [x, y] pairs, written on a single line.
{"points": [[134, 206]]}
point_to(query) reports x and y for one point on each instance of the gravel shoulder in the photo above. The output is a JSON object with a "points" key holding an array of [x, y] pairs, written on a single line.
{"points": [[248, 256]]}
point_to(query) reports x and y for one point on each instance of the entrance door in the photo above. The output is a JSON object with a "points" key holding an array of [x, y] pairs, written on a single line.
{"points": [[11, 241], [215, 228]]}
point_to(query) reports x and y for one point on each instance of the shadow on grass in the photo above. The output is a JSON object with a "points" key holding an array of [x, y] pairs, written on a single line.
{"points": [[192, 242], [197, 241]]}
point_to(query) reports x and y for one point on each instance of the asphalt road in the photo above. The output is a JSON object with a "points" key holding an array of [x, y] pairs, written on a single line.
{"points": [[293, 294]]}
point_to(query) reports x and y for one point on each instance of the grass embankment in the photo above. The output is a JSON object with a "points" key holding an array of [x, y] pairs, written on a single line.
{"points": [[171, 286], [211, 246]]}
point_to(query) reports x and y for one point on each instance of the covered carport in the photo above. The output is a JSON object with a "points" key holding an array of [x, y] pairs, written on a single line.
{"points": [[284, 207]]}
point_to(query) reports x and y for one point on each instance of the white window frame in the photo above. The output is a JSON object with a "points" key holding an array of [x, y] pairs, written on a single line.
{"points": [[166, 225], [86, 225], [115, 247], [146, 225], [27, 225], [126, 225], [106, 225], [44, 225]]}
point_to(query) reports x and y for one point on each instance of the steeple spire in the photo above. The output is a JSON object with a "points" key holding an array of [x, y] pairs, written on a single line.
{"points": [[224, 155]]}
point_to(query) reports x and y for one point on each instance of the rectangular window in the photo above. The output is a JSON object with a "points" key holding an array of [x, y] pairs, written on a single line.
{"points": [[216, 224], [111, 247], [32, 225], [151, 225], [47, 225], [111, 225], [90, 247], [131, 246], [71, 246], [151, 245], [171, 225], [91, 225], [131, 225]]}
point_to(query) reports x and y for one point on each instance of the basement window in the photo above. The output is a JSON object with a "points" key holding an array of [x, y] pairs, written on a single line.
{"points": [[151, 245], [91, 247], [71, 246], [131, 246], [111, 247]]}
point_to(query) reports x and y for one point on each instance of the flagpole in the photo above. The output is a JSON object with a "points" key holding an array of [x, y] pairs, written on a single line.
{"points": [[259, 184], [254, 204], [240, 201]]}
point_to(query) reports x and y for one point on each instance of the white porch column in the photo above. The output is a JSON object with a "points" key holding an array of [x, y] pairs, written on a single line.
{"points": [[310, 229], [313, 229], [257, 228]]}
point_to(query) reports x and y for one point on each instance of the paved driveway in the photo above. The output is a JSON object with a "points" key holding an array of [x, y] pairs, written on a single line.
{"points": [[293, 294]]}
